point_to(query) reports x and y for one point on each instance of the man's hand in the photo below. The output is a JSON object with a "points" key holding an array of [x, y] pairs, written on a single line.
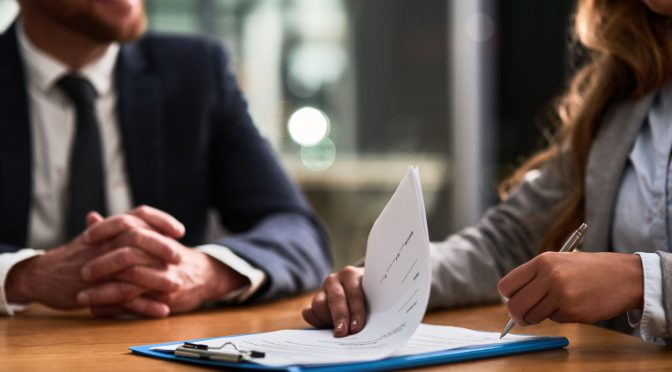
{"points": [[147, 272], [55, 278], [573, 287], [339, 303], [172, 288]]}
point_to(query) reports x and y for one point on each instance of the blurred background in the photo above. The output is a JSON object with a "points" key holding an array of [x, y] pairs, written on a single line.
{"points": [[352, 92]]}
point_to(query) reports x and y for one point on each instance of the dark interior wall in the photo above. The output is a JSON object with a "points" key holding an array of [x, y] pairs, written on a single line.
{"points": [[400, 50], [533, 60]]}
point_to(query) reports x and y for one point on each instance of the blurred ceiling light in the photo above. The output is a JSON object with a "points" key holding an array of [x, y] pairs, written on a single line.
{"points": [[308, 126]]}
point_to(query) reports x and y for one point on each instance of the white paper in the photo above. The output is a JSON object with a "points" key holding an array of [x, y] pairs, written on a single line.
{"points": [[428, 338], [396, 284], [397, 276], [310, 347]]}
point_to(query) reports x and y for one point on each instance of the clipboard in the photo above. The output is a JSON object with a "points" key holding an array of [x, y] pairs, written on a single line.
{"points": [[393, 362]]}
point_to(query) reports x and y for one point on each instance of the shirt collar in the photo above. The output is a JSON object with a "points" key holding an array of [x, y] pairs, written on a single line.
{"points": [[43, 70]]}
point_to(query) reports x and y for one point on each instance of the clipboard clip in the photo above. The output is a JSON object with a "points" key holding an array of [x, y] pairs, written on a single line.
{"points": [[220, 353]]}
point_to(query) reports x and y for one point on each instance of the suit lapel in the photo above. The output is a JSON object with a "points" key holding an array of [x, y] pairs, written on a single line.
{"points": [[15, 144], [606, 165], [140, 124]]}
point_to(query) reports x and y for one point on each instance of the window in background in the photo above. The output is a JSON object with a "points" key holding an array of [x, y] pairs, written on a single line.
{"points": [[350, 93]]}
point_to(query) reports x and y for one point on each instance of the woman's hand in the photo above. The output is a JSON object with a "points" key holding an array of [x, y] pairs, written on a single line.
{"points": [[573, 287], [339, 303]]}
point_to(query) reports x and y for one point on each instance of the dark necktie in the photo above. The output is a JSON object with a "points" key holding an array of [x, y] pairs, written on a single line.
{"points": [[86, 191]]}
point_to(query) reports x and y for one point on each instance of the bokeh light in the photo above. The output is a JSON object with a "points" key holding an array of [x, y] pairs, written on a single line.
{"points": [[320, 156], [308, 126]]}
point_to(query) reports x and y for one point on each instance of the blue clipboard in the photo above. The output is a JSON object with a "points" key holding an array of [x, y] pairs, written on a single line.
{"points": [[394, 362]]}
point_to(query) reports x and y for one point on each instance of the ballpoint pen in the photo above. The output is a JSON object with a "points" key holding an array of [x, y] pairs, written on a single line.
{"points": [[572, 242]]}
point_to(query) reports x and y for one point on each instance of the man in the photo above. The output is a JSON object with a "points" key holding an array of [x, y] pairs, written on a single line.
{"points": [[95, 120]]}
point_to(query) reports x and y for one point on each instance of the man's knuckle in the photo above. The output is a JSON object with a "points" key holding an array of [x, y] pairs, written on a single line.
{"points": [[125, 256], [137, 238], [176, 282], [126, 222]]}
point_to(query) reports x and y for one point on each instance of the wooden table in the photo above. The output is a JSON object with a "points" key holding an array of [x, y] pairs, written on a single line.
{"points": [[41, 339]]}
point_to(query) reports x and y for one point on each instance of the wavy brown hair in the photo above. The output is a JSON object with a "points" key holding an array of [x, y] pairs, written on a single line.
{"points": [[628, 53]]}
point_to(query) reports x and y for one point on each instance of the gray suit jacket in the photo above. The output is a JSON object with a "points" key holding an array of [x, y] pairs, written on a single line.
{"points": [[467, 266]]}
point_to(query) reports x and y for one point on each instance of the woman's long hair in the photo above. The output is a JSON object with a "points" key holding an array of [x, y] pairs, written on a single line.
{"points": [[628, 53]]}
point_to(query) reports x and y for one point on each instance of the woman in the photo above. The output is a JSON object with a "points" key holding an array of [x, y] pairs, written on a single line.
{"points": [[609, 166]]}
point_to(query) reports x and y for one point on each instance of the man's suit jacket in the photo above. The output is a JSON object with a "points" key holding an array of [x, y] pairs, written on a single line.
{"points": [[190, 146], [468, 265]]}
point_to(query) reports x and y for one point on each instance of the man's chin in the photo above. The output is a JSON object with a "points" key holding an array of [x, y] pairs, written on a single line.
{"points": [[104, 32], [117, 7], [117, 20], [102, 20]]}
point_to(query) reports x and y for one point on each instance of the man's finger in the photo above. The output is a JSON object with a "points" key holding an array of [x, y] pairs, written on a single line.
{"points": [[93, 218], [151, 242], [160, 220], [109, 293], [148, 307], [110, 228], [151, 279], [116, 261]]}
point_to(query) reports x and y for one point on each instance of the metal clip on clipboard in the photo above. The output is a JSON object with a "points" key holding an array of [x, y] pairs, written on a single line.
{"points": [[200, 351]]}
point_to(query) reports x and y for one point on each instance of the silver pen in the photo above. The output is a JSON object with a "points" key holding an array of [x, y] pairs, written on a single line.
{"points": [[571, 243]]}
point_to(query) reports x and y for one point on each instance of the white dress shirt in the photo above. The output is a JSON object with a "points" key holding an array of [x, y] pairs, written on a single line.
{"points": [[643, 211], [52, 120]]}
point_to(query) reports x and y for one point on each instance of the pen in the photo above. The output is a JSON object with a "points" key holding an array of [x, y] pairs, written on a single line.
{"points": [[571, 243]]}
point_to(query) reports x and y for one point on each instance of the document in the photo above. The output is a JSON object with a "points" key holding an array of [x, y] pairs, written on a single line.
{"points": [[311, 347], [429, 338], [396, 283]]}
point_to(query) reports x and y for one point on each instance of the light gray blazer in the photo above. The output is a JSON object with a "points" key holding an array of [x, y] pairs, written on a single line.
{"points": [[467, 265]]}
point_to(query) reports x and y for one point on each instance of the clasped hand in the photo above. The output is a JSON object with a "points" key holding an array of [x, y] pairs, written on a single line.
{"points": [[128, 263]]}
